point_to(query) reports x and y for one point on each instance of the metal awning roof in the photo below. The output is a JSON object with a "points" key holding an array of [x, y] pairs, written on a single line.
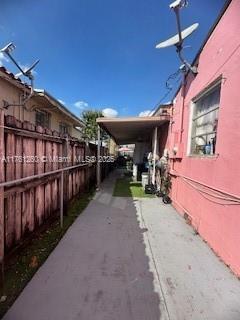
{"points": [[133, 129]]}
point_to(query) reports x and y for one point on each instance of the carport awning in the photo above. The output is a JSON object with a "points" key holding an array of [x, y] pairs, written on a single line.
{"points": [[131, 130]]}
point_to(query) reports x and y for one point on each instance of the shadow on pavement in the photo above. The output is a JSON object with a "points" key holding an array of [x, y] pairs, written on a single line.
{"points": [[99, 271]]}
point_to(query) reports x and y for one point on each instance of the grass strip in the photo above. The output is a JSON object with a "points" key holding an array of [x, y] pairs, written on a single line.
{"points": [[127, 188]]}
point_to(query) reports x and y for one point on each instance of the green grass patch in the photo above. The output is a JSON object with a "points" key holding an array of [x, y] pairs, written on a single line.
{"points": [[25, 261], [128, 188]]}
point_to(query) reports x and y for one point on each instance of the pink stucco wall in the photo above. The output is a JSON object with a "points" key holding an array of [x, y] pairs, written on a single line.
{"points": [[218, 224]]}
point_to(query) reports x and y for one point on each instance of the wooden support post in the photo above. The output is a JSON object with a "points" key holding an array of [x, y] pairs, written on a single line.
{"points": [[98, 158], [2, 178], [154, 154]]}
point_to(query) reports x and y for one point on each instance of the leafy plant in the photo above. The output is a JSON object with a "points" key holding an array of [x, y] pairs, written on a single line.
{"points": [[89, 118], [166, 184]]}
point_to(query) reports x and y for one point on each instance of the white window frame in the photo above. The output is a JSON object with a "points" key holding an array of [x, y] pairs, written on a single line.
{"points": [[203, 93]]}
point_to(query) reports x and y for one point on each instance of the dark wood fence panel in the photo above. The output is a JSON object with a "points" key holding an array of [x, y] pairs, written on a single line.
{"points": [[40, 189], [10, 200], [29, 151], [18, 195], [2, 179]]}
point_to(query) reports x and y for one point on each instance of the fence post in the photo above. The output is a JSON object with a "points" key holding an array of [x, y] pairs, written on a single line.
{"points": [[65, 176], [87, 170], [2, 178], [61, 198]]}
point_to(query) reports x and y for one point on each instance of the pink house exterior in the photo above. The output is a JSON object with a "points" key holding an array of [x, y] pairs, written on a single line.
{"points": [[206, 187]]}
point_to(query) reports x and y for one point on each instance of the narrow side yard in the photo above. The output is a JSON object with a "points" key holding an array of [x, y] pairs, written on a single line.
{"points": [[130, 259]]}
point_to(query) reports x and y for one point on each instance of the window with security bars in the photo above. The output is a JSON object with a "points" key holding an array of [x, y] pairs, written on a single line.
{"points": [[205, 122], [63, 128], [42, 119]]}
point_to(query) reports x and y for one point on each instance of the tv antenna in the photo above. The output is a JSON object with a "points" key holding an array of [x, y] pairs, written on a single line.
{"points": [[179, 38], [27, 72]]}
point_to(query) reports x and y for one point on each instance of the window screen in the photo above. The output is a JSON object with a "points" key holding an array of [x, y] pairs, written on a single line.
{"points": [[42, 119], [205, 122], [63, 128]]}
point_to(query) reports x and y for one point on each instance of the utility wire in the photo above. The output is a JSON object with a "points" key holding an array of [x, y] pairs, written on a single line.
{"points": [[206, 194], [169, 86]]}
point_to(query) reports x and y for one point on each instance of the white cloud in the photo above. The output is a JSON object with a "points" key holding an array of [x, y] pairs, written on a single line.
{"points": [[109, 113], [2, 59], [145, 113], [61, 101], [81, 105]]}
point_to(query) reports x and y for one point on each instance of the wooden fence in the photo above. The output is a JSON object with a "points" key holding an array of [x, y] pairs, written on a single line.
{"points": [[27, 150]]}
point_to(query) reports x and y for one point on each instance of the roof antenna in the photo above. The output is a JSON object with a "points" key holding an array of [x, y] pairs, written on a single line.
{"points": [[25, 72], [178, 39]]}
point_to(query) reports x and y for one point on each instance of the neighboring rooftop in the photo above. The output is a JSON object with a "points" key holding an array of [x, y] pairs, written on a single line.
{"points": [[9, 76], [59, 106], [161, 106]]}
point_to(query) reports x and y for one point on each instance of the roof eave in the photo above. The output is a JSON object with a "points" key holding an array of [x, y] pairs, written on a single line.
{"points": [[60, 106], [124, 130]]}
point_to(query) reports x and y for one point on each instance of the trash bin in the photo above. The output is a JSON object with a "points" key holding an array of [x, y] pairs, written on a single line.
{"points": [[144, 179]]}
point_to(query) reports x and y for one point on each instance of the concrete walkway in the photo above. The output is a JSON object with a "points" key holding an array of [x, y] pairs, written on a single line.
{"points": [[126, 259]]}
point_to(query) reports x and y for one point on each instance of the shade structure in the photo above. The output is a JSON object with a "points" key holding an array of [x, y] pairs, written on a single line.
{"points": [[132, 129]]}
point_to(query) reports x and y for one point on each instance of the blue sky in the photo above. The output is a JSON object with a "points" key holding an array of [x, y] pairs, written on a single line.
{"points": [[101, 53]]}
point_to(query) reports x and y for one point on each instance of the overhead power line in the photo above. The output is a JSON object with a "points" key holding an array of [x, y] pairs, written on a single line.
{"points": [[169, 86]]}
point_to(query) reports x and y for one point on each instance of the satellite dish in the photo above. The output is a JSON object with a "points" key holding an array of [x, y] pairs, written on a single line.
{"points": [[176, 4], [175, 40], [178, 39], [27, 71], [8, 48]]}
